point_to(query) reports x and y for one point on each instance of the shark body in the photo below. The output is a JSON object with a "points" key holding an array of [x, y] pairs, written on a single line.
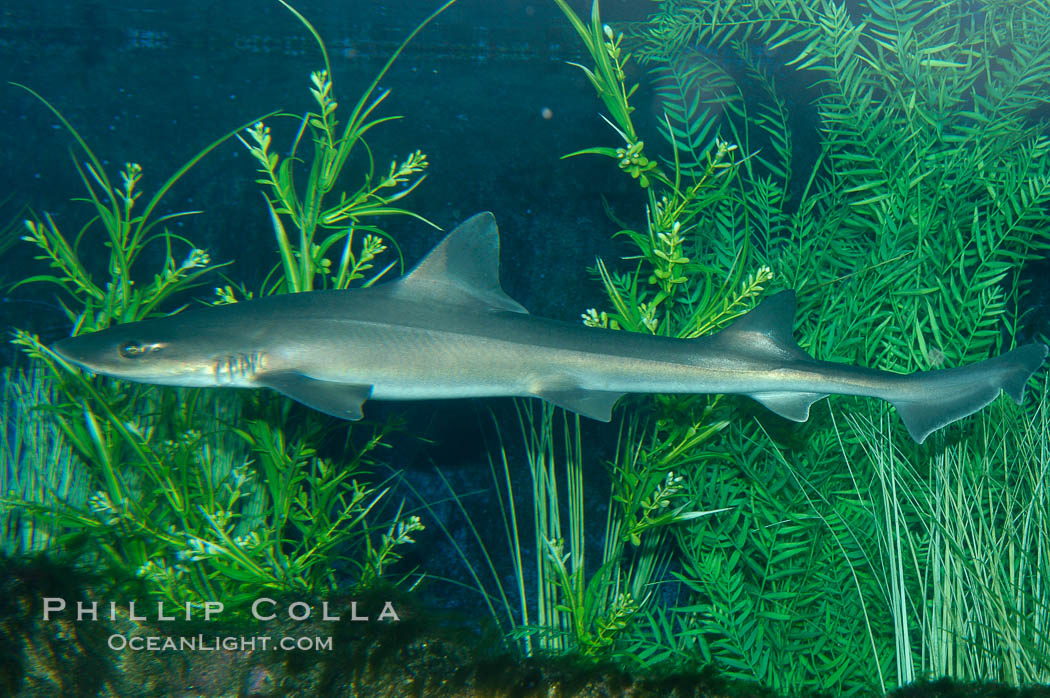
{"points": [[447, 330]]}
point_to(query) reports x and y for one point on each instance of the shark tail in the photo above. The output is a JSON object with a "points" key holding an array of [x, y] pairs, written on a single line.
{"points": [[954, 393], [928, 400]]}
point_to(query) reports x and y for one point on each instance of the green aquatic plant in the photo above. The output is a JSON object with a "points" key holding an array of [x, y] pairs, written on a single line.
{"points": [[37, 464], [200, 497], [128, 229], [570, 611], [929, 196], [575, 607], [967, 593], [303, 260], [204, 503], [773, 588], [656, 297], [905, 238], [930, 168]]}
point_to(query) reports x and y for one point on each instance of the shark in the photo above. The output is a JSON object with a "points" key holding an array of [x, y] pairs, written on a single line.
{"points": [[448, 330]]}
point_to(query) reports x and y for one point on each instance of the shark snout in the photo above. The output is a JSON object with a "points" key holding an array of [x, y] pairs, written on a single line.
{"points": [[94, 351], [65, 348]]}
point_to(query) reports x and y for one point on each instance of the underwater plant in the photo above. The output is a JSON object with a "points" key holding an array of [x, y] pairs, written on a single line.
{"points": [[966, 584], [929, 191], [37, 464], [575, 607], [126, 232], [305, 259], [905, 238], [198, 497]]}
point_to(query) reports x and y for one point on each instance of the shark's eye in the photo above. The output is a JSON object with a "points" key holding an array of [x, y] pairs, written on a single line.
{"points": [[132, 350]]}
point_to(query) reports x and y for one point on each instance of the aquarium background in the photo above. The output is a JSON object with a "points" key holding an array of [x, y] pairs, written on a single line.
{"points": [[725, 548]]}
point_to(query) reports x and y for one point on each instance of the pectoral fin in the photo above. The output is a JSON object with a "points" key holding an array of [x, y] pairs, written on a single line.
{"points": [[341, 400], [793, 406], [596, 404]]}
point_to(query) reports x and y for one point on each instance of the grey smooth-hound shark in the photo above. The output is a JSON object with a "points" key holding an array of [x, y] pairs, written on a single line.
{"points": [[448, 330]]}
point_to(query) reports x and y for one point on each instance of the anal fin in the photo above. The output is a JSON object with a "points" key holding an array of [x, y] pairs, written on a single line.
{"points": [[790, 405], [596, 404], [341, 400]]}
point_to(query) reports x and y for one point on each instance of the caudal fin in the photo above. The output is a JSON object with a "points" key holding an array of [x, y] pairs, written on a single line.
{"points": [[949, 395]]}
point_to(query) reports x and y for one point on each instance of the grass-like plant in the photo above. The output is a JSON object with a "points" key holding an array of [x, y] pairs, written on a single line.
{"points": [[560, 603], [207, 497], [577, 609], [37, 464], [967, 583]]}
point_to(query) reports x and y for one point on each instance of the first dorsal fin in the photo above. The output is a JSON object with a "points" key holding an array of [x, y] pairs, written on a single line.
{"points": [[462, 270]]}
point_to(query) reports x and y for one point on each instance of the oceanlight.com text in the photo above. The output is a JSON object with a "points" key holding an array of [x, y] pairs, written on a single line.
{"points": [[208, 643]]}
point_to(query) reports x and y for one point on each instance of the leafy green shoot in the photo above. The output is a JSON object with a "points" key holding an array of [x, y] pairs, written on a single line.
{"points": [[126, 232], [304, 260]]}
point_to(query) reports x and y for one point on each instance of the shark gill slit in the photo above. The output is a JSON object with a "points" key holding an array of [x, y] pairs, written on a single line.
{"points": [[234, 366]]}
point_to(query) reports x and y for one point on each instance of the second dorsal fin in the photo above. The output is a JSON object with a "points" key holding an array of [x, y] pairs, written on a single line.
{"points": [[767, 330]]}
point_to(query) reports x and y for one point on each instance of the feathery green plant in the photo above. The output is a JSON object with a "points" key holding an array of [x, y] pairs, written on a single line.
{"points": [[673, 290], [905, 241], [929, 194], [655, 297], [930, 166]]}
